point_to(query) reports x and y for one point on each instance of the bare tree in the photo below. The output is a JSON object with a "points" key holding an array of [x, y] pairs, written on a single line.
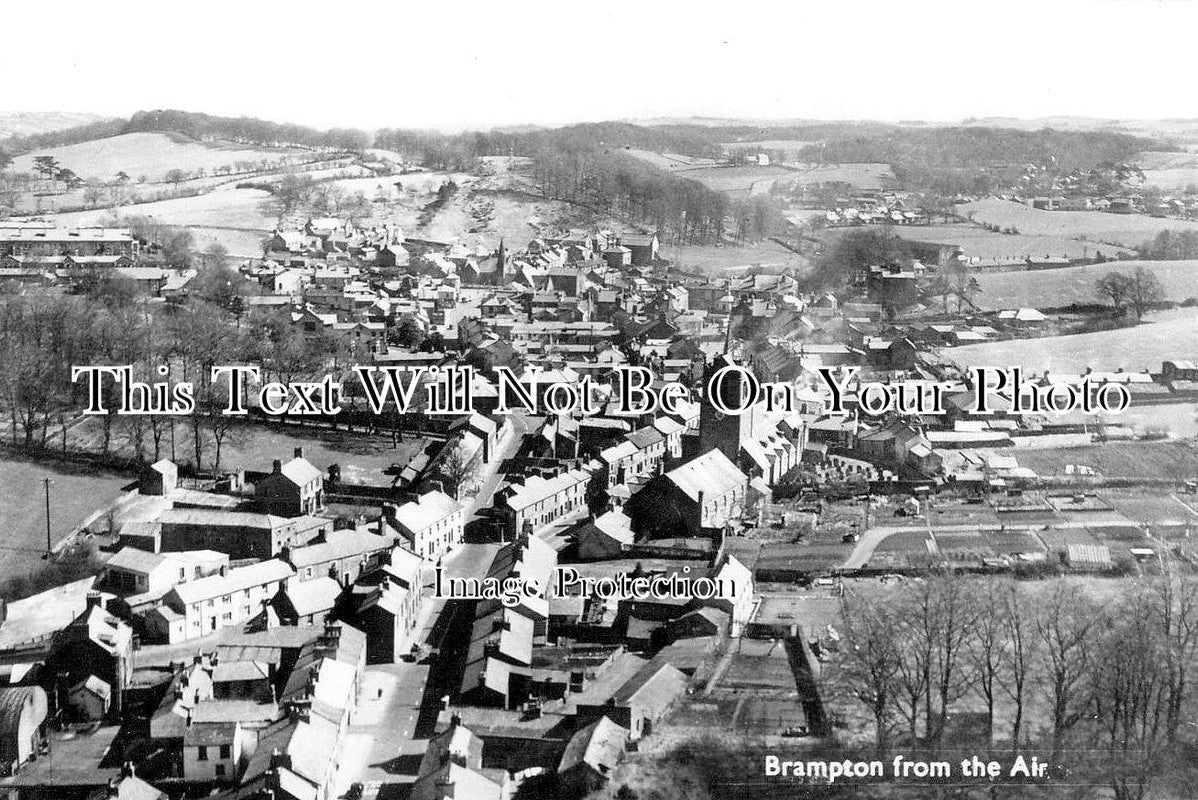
{"points": [[989, 643], [456, 469], [1067, 621], [1019, 656], [871, 659]]}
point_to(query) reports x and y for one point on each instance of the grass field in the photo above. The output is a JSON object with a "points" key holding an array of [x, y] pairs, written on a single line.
{"points": [[75, 494], [990, 247], [1050, 288], [738, 181], [151, 155], [1163, 335], [1126, 230], [862, 176], [233, 217], [1169, 460], [789, 145], [711, 260]]}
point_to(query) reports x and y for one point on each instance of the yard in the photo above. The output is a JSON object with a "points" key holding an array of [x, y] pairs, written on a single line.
{"points": [[253, 446]]}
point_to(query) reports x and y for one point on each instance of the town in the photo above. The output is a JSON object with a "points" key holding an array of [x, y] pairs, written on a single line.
{"points": [[616, 461]]}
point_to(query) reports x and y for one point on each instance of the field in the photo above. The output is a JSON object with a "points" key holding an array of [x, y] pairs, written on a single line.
{"points": [[712, 260], [233, 217], [999, 248], [862, 176], [75, 494], [1125, 230], [769, 145], [738, 181], [1169, 171], [1050, 288], [1163, 335], [1168, 460], [151, 155]]}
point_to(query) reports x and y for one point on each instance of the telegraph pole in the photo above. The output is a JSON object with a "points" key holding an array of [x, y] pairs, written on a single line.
{"points": [[49, 543]]}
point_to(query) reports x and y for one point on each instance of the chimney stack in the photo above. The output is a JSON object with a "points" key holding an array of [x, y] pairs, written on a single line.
{"points": [[277, 467], [299, 452]]}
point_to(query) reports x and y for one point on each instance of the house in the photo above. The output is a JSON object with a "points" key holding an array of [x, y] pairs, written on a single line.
{"points": [[433, 524], [387, 611], [96, 644], [699, 624], [212, 752], [533, 503], [128, 787], [607, 536], [229, 598], [697, 498], [292, 489], [591, 756], [306, 602], [343, 555], [239, 534], [160, 478], [452, 767], [642, 248], [642, 700], [131, 571], [89, 699], [23, 711], [736, 595], [1178, 370]]}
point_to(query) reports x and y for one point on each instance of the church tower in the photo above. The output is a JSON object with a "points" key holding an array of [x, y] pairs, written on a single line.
{"points": [[501, 265]]}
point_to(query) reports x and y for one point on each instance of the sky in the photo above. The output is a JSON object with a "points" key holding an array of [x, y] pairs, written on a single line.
{"points": [[453, 64]]}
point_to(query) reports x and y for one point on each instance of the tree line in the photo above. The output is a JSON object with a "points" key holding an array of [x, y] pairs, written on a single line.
{"points": [[1101, 684]]}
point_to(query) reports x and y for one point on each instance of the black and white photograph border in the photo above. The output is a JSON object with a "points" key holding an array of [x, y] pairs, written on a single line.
{"points": [[622, 401]]}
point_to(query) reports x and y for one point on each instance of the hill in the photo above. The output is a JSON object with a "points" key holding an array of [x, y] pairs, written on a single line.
{"points": [[29, 123]]}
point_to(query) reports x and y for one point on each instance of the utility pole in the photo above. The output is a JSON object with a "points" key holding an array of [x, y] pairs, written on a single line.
{"points": [[49, 543]]}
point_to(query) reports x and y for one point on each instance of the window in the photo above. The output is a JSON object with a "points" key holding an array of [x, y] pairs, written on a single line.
{"points": [[220, 770], [203, 754], [226, 751]]}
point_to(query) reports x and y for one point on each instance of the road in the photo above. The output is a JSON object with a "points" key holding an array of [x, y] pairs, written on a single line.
{"points": [[381, 750], [491, 475]]}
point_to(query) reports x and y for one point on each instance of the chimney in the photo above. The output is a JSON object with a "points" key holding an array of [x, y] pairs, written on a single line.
{"points": [[299, 452], [128, 770], [277, 467], [224, 568], [93, 600]]}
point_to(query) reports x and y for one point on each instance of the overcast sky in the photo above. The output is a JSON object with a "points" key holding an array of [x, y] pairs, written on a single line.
{"points": [[441, 63]]}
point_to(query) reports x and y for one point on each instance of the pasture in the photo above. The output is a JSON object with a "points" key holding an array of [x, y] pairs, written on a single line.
{"points": [[152, 155], [1125, 230], [76, 492], [712, 259], [1168, 460], [861, 176], [991, 248], [1051, 288], [738, 181], [769, 145], [233, 217], [1162, 335]]}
